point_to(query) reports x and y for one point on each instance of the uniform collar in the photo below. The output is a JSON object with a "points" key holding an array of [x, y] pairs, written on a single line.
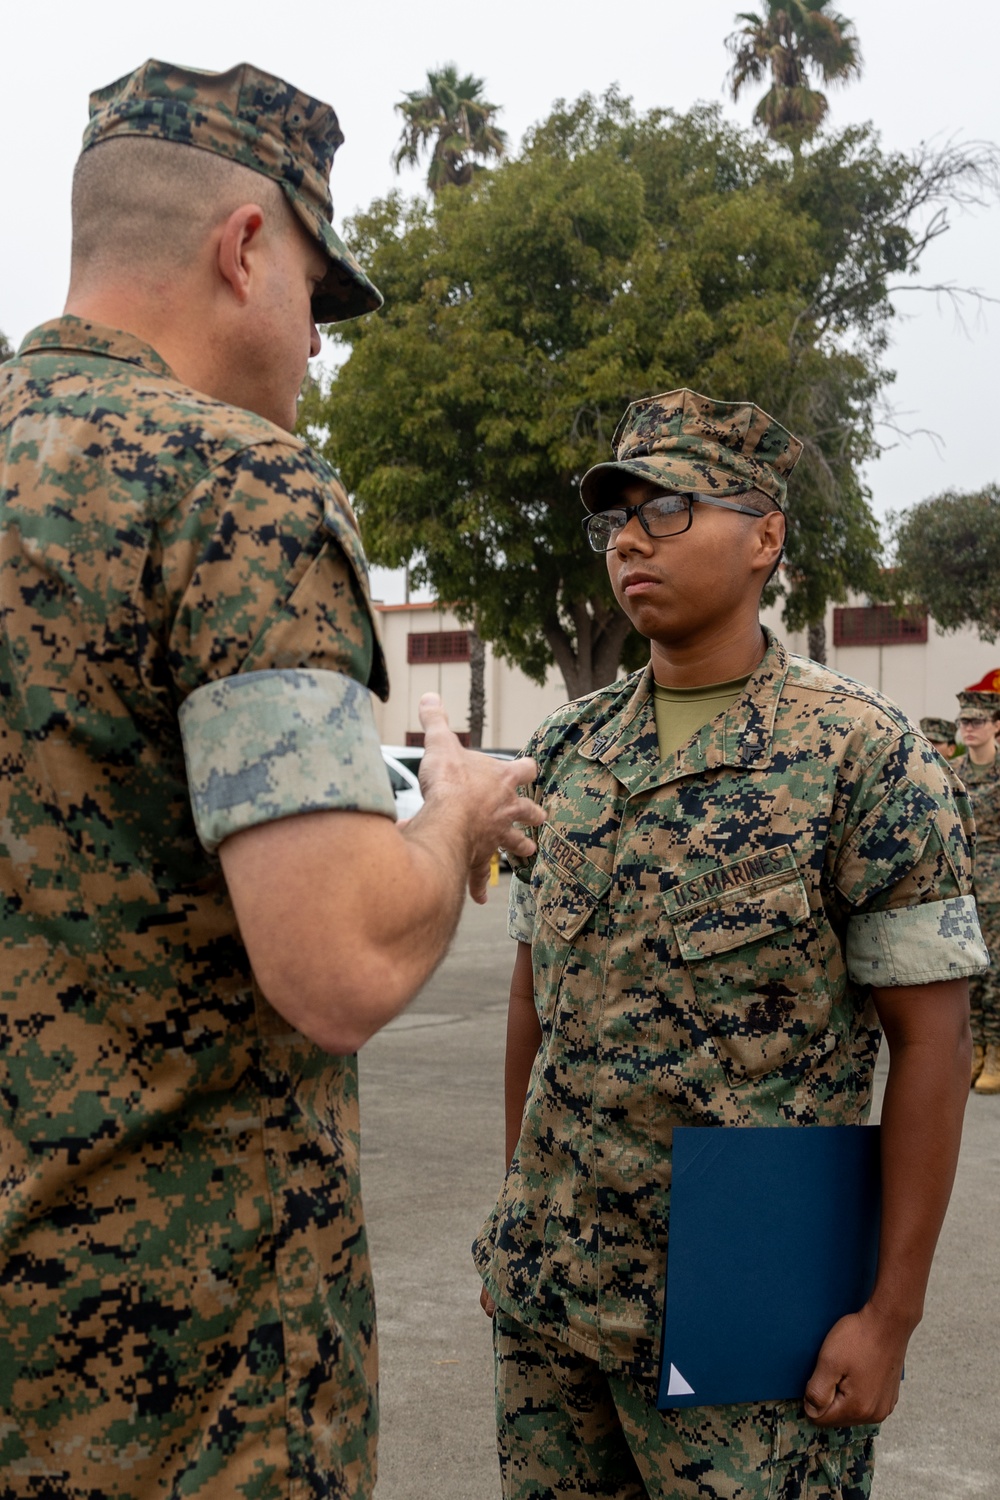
{"points": [[626, 741], [77, 336]]}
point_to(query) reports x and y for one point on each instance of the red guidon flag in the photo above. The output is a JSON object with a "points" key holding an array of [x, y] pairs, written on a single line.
{"points": [[989, 684]]}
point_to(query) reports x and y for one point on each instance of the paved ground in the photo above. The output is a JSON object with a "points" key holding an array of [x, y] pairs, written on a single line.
{"points": [[432, 1153]]}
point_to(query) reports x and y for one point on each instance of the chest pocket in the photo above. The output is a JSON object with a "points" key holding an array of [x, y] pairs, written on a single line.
{"points": [[753, 956], [568, 891]]}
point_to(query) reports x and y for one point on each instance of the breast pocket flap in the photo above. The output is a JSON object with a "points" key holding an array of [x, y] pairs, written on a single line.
{"points": [[569, 887], [738, 918]]}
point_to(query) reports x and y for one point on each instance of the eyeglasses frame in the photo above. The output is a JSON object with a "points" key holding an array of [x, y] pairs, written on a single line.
{"points": [[636, 510]]}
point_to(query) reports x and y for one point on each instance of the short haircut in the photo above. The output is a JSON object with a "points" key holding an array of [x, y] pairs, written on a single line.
{"points": [[757, 500], [148, 204]]}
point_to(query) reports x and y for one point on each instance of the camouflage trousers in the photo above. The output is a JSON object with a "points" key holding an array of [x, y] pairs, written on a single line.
{"points": [[984, 989], [567, 1430]]}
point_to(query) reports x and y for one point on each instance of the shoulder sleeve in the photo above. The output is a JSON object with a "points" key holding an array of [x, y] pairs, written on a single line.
{"points": [[908, 833], [904, 871], [262, 568], [260, 584]]}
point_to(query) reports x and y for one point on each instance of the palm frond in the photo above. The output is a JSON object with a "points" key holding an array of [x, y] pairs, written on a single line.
{"points": [[789, 41], [451, 111]]}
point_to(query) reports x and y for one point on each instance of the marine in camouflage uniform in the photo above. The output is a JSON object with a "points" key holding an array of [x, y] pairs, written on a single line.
{"points": [[188, 654], [982, 782], [942, 734], [705, 932]]}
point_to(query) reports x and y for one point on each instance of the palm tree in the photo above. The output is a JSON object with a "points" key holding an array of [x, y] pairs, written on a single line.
{"points": [[452, 111], [792, 39]]}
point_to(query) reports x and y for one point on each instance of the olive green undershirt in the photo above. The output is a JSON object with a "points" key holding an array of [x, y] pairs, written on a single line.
{"points": [[681, 712]]}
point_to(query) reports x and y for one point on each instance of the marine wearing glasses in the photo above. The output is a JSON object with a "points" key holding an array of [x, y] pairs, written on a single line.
{"points": [[659, 516], [710, 918]]}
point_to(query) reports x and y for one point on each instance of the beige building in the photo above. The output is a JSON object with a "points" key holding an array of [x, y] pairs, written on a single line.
{"points": [[427, 651]]}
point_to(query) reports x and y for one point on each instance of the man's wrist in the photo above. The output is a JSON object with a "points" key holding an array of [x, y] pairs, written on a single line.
{"points": [[898, 1316]]}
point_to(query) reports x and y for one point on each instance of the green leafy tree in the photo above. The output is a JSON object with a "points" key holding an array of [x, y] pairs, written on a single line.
{"points": [[948, 559], [616, 257], [452, 112], [788, 42], [5, 349]]}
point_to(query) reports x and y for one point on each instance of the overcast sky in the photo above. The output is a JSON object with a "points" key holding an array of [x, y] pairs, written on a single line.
{"points": [[923, 79]]}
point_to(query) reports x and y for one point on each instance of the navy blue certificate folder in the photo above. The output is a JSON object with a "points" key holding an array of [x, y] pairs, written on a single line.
{"points": [[773, 1237]]}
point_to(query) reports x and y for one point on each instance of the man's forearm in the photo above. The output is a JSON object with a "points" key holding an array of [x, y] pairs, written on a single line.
{"points": [[922, 1112], [523, 1037], [858, 1369]]}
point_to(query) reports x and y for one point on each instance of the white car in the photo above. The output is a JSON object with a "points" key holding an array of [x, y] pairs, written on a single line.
{"points": [[405, 786], [403, 765], [408, 756]]}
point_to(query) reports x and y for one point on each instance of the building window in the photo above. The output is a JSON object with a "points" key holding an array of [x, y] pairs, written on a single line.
{"points": [[878, 625], [437, 645]]}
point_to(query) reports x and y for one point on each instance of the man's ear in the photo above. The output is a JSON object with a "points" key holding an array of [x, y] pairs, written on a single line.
{"points": [[771, 537], [237, 245]]}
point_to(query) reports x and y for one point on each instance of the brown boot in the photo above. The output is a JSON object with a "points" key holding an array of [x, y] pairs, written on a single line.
{"points": [[978, 1054], [988, 1081]]}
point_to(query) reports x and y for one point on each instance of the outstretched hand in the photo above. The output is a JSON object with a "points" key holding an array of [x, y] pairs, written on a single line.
{"points": [[484, 792]]}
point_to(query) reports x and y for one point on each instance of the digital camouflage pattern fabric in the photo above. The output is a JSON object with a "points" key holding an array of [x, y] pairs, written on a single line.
{"points": [[185, 1298], [687, 442], [262, 123], [563, 1432], [258, 746], [983, 786], [704, 933]]}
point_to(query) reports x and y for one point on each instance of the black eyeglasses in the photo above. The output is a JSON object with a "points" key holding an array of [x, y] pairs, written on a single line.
{"points": [[660, 515], [973, 723]]}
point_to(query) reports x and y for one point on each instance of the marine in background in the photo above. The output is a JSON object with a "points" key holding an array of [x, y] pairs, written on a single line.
{"points": [[979, 768], [942, 734]]}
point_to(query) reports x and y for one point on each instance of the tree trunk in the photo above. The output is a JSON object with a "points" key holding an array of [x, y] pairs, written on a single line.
{"points": [[477, 689], [591, 660], [817, 641]]}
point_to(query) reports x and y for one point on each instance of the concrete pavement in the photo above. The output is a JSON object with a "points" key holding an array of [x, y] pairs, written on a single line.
{"points": [[432, 1147]]}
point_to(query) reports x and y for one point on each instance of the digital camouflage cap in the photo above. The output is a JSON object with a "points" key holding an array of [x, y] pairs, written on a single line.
{"points": [[941, 730], [690, 443], [984, 694], [986, 703], [260, 122]]}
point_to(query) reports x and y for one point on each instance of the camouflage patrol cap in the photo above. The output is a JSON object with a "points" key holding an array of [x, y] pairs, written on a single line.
{"points": [[260, 122], [984, 694], [688, 442], [942, 730], [987, 703]]}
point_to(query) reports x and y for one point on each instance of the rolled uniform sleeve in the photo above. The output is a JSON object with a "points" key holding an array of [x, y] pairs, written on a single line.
{"points": [[264, 745], [521, 911], [904, 869], [260, 585]]}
